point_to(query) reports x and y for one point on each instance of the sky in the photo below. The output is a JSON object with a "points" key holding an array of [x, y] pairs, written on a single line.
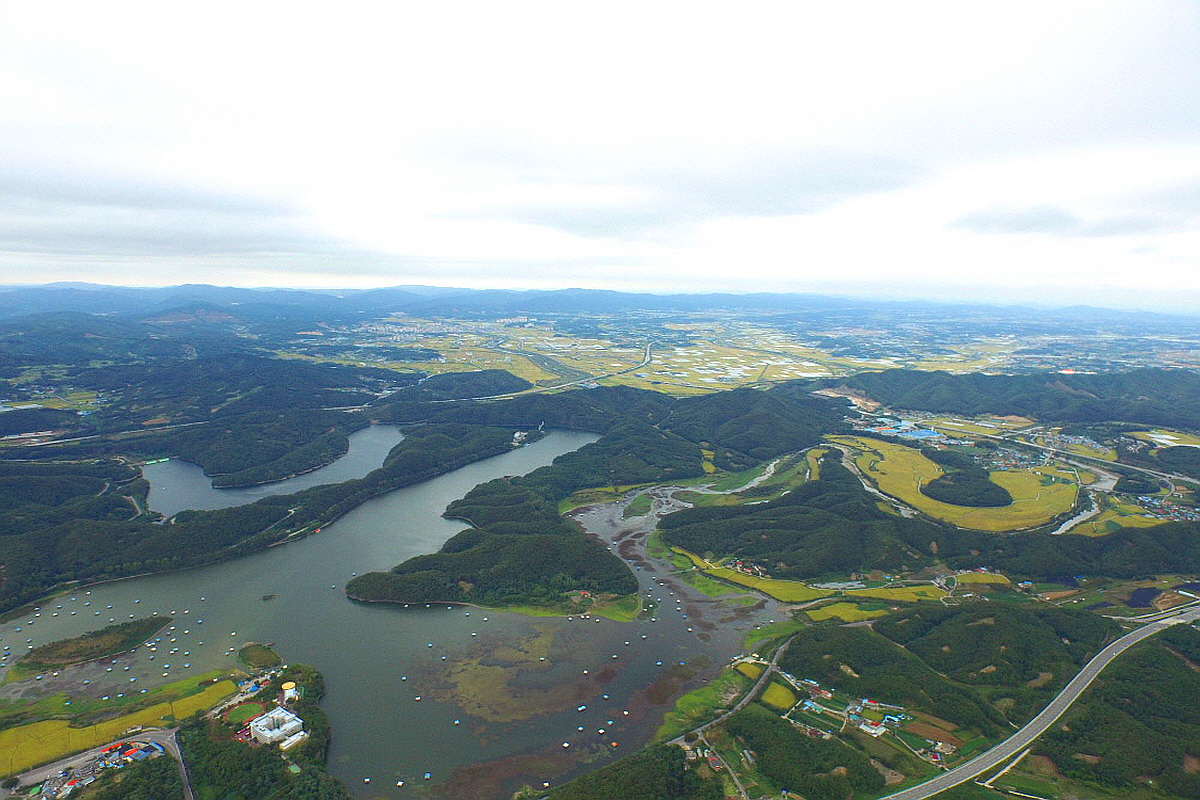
{"points": [[1045, 152]]}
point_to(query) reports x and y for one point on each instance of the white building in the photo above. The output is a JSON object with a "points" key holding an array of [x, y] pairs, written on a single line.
{"points": [[277, 725]]}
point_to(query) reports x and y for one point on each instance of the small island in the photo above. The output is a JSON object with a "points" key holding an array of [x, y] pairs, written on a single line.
{"points": [[90, 646]]}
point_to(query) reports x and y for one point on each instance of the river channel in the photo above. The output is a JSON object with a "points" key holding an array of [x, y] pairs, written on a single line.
{"points": [[484, 701]]}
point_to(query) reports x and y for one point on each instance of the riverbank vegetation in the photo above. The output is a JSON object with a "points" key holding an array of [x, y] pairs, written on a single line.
{"points": [[87, 647], [259, 656]]}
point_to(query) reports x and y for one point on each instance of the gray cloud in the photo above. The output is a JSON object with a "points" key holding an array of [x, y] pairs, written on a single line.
{"points": [[1059, 221], [758, 185], [57, 211], [1038, 219]]}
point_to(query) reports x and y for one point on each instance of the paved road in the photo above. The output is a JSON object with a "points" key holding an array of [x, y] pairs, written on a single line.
{"points": [[166, 738], [646, 356], [750, 695], [1042, 722]]}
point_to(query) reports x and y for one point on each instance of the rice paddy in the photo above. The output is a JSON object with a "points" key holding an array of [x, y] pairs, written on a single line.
{"points": [[26, 746], [1039, 494], [846, 612]]}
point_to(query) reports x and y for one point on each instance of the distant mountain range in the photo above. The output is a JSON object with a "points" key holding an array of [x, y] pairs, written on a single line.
{"points": [[202, 303]]}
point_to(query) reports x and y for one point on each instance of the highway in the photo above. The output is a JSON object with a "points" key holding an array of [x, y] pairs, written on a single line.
{"points": [[1042, 722]]}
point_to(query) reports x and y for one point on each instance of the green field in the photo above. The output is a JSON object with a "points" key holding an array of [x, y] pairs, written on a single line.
{"points": [[774, 630], [638, 506], [1167, 438], [244, 712], [88, 647], [698, 706], [1117, 514], [1039, 494], [787, 591]]}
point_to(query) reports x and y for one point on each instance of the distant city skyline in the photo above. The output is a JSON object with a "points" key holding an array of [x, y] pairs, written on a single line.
{"points": [[1027, 153]]}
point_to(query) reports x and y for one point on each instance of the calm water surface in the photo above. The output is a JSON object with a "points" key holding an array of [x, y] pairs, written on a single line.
{"points": [[498, 691]]}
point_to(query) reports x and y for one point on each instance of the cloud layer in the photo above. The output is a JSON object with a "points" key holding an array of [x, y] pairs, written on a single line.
{"points": [[955, 149]]}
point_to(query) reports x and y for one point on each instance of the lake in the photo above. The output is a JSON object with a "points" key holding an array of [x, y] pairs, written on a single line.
{"points": [[498, 692]]}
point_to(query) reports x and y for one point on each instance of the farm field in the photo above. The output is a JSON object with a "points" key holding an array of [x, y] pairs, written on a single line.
{"points": [[846, 612], [779, 696], [1167, 438], [787, 591], [958, 427], [1039, 494], [27, 746], [1116, 515], [980, 577], [906, 594]]}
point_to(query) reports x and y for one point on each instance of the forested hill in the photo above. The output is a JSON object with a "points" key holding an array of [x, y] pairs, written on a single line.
{"points": [[520, 550], [833, 526], [760, 425], [742, 426], [1150, 396]]}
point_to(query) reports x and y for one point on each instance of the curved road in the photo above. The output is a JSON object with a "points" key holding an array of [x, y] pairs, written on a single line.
{"points": [[1042, 722]]}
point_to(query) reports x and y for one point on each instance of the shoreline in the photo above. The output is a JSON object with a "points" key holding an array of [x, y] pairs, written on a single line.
{"points": [[225, 555]]}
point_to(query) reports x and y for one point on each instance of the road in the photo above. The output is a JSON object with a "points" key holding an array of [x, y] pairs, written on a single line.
{"points": [[646, 356], [165, 737], [1042, 722], [746, 698]]}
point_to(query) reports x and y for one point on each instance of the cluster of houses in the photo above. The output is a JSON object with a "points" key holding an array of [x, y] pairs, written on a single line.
{"points": [[748, 568], [1163, 508], [115, 756]]}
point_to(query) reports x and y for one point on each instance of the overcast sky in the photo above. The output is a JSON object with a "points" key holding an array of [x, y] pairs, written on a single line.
{"points": [[1044, 151]]}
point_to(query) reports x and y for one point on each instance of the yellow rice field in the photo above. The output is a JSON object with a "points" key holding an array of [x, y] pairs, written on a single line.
{"points": [[1039, 494]]}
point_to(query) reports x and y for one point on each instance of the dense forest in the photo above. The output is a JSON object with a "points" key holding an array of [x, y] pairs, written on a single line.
{"points": [[521, 550], [1148, 396], [867, 664], [153, 779], [1181, 459], [745, 427], [830, 526], [1018, 656], [655, 773], [964, 482], [833, 526], [93, 547], [817, 769], [1138, 722]]}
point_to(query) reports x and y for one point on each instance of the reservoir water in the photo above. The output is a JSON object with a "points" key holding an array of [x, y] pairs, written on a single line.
{"points": [[176, 485], [483, 700]]}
